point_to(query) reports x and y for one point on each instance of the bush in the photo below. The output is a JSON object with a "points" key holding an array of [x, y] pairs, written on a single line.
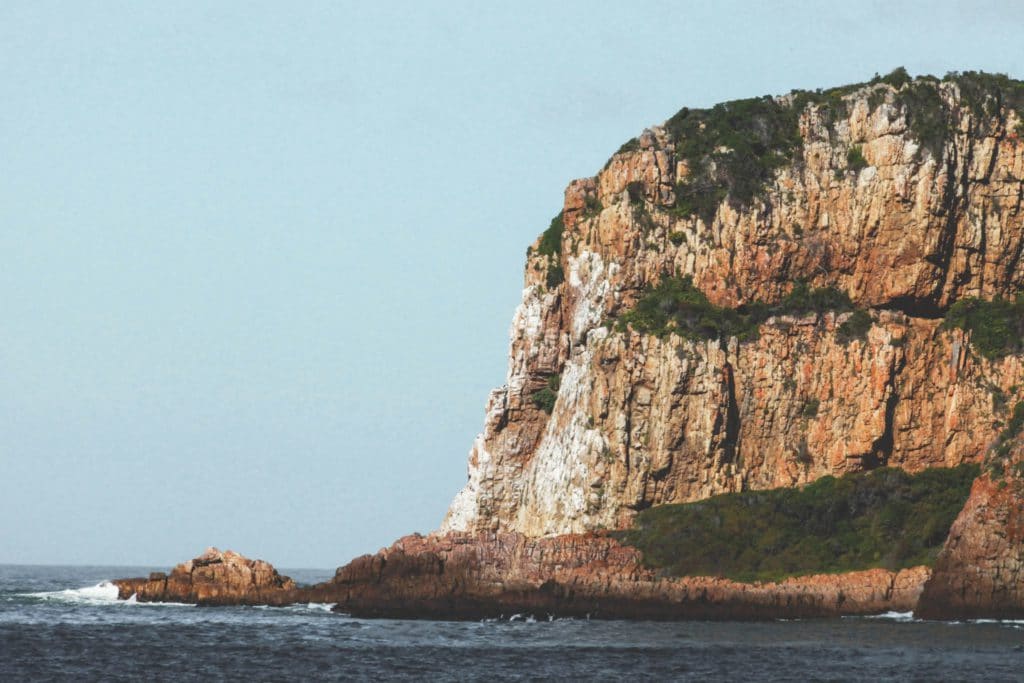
{"points": [[546, 397], [551, 239], [732, 149], [856, 327], [897, 78], [926, 114], [884, 518], [555, 275], [855, 160], [811, 408], [996, 327], [675, 305]]}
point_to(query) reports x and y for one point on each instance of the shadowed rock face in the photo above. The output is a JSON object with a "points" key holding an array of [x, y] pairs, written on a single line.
{"points": [[213, 578]]}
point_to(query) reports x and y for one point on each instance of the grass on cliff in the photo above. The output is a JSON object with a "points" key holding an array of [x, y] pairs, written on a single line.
{"points": [[884, 518], [996, 326], [676, 305]]}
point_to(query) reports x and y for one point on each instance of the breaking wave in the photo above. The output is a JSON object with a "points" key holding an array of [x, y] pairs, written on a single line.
{"points": [[103, 593]]}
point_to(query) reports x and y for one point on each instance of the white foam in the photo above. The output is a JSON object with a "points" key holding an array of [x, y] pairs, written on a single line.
{"points": [[893, 616], [321, 606], [1005, 622], [103, 593]]}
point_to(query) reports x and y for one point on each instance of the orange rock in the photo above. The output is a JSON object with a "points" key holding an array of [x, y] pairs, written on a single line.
{"points": [[213, 578]]}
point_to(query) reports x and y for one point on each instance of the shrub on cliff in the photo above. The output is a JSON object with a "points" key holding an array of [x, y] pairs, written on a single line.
{"points": [[884, 518], [856, 326], [996, 326], [731, 150], [551, 240], [855, 160], [676, 305], [546, 397]]}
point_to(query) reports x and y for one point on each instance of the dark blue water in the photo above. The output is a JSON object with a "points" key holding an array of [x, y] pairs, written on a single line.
{"points": [[49, 630]]}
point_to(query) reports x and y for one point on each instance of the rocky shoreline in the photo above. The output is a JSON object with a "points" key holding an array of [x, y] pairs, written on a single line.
{"points": [[483, 575], [464, 576]]}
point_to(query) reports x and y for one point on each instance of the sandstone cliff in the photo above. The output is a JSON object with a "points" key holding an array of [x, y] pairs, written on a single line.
{"points": [[868, 201], [898, 202]]}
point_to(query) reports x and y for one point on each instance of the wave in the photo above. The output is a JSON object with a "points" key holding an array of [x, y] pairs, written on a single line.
{"points": [[103, 593], [893, 616], [909, 617]]}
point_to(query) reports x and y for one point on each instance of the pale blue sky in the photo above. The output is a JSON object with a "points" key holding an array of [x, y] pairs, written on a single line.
{"points": [[259, 261]]}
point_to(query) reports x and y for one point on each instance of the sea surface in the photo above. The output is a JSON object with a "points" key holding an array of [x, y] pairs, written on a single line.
{"points": [[64, 623]]}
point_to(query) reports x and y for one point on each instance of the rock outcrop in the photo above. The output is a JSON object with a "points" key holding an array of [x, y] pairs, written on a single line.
{"points": [[980, 571], [214, 578]]}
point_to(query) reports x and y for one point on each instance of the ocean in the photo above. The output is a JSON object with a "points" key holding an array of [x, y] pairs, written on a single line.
{"points": [[64, 623]]}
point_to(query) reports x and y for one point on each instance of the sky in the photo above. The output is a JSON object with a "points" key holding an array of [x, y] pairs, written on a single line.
{"points": [[259, 260]]}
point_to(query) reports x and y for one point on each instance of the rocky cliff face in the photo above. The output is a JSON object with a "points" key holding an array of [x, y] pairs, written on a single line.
{"points": [[980, 571], [870, 202]]}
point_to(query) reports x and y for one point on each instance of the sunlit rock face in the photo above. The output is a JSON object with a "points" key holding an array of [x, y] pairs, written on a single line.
{"points": [[905, 230], [214, 578]]}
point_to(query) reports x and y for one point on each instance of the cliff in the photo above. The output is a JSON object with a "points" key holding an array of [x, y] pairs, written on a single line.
{"points": [[903, 195], [750, 297]]}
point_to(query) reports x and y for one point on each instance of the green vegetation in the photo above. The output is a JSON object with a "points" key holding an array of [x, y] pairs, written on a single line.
{"points": [[699, 197], [996, 326], [546, 397], [986, 94], [731, 150], [551, 239], [927, 114], [592, 206], [675, 305], [855, 327], [555, 275], [811, 408], [884, 518], [855, 160], [1010, 432], [897, 78]]}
